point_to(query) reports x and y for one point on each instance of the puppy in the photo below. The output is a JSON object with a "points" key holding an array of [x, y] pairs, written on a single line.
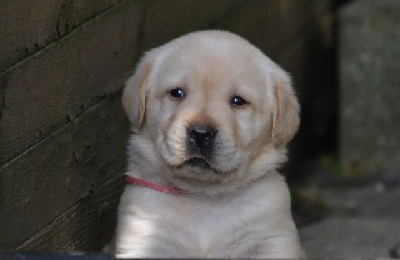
{"points": [[211, 116]]}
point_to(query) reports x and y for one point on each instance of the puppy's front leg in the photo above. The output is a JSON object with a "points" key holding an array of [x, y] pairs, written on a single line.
{"points": [[132, 234], [281, 247]]}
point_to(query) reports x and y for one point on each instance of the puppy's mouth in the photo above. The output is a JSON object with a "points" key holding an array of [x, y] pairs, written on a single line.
{"points": [[198, 162]]}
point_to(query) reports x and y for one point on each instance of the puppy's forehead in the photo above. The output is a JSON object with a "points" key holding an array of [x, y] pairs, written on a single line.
{"points": [[214, 64]]}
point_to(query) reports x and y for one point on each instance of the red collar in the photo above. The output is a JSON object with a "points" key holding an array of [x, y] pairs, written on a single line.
{"points": [[154, 186]]}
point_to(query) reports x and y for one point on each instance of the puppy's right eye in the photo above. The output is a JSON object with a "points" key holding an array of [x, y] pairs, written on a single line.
{"points": [[237, 101], [177, 93]]}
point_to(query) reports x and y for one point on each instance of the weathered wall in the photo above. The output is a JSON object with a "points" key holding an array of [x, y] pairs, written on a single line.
{"points": [[62, 67], [369, 84]]}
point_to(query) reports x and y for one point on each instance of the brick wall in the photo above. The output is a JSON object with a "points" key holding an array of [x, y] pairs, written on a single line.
{"points": [[62, 68]]}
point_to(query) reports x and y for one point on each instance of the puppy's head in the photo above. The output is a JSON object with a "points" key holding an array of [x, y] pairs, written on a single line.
{"points": [[213, 108]]}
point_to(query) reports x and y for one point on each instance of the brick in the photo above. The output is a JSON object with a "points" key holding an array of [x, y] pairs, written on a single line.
{"points": [[47, 90], [271, 24], [51, 176], [86, 226], [166, 20], [27, 26]]}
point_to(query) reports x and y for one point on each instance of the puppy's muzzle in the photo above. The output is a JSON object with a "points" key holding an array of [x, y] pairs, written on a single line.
{"points": [[201, 138]]}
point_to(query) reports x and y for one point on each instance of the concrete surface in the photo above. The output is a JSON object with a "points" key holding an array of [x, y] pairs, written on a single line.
{"points": [[369, 54], [364, 223]]}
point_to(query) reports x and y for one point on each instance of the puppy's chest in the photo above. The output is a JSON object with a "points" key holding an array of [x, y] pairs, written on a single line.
{"points": [[211, 228]]}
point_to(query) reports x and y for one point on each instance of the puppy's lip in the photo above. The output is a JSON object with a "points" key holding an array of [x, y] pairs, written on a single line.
{"points": [[198, 162]]}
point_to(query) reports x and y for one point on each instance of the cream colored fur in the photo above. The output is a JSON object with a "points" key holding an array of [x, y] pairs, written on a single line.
{"points": [[239, 206]]}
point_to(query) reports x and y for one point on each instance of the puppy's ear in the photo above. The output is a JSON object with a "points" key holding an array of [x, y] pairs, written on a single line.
{"points": [[286, 118], [134, 95]]}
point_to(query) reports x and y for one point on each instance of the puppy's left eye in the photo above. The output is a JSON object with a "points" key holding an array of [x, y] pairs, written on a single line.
{"points": [[177, 93], [237, 101]]}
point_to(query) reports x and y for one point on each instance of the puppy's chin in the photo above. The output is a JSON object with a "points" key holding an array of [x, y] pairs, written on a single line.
{"points": [[198, 170]]}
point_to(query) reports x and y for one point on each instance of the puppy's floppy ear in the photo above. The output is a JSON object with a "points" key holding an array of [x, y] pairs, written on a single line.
{"points": [[134, 95], [286, 118]]}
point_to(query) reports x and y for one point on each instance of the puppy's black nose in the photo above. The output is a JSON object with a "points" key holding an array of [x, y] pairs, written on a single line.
{"points": [[201, 135]]}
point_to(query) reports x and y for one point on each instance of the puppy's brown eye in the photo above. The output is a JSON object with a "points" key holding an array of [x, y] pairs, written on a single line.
{"points": [[238, 101], [177, 93]]}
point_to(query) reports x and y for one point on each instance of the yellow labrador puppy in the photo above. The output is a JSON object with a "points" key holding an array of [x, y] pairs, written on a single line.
{"points": [[211, 117]]}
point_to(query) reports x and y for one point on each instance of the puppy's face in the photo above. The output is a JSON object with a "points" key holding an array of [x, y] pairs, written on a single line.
{"points": [[213, 106]]}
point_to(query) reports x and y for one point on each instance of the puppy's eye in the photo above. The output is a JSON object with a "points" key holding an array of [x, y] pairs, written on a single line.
{"points": [[177, 93], [237, 101]]}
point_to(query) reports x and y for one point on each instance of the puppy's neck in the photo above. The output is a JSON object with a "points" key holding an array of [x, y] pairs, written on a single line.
{"points": [[144, 163]]}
